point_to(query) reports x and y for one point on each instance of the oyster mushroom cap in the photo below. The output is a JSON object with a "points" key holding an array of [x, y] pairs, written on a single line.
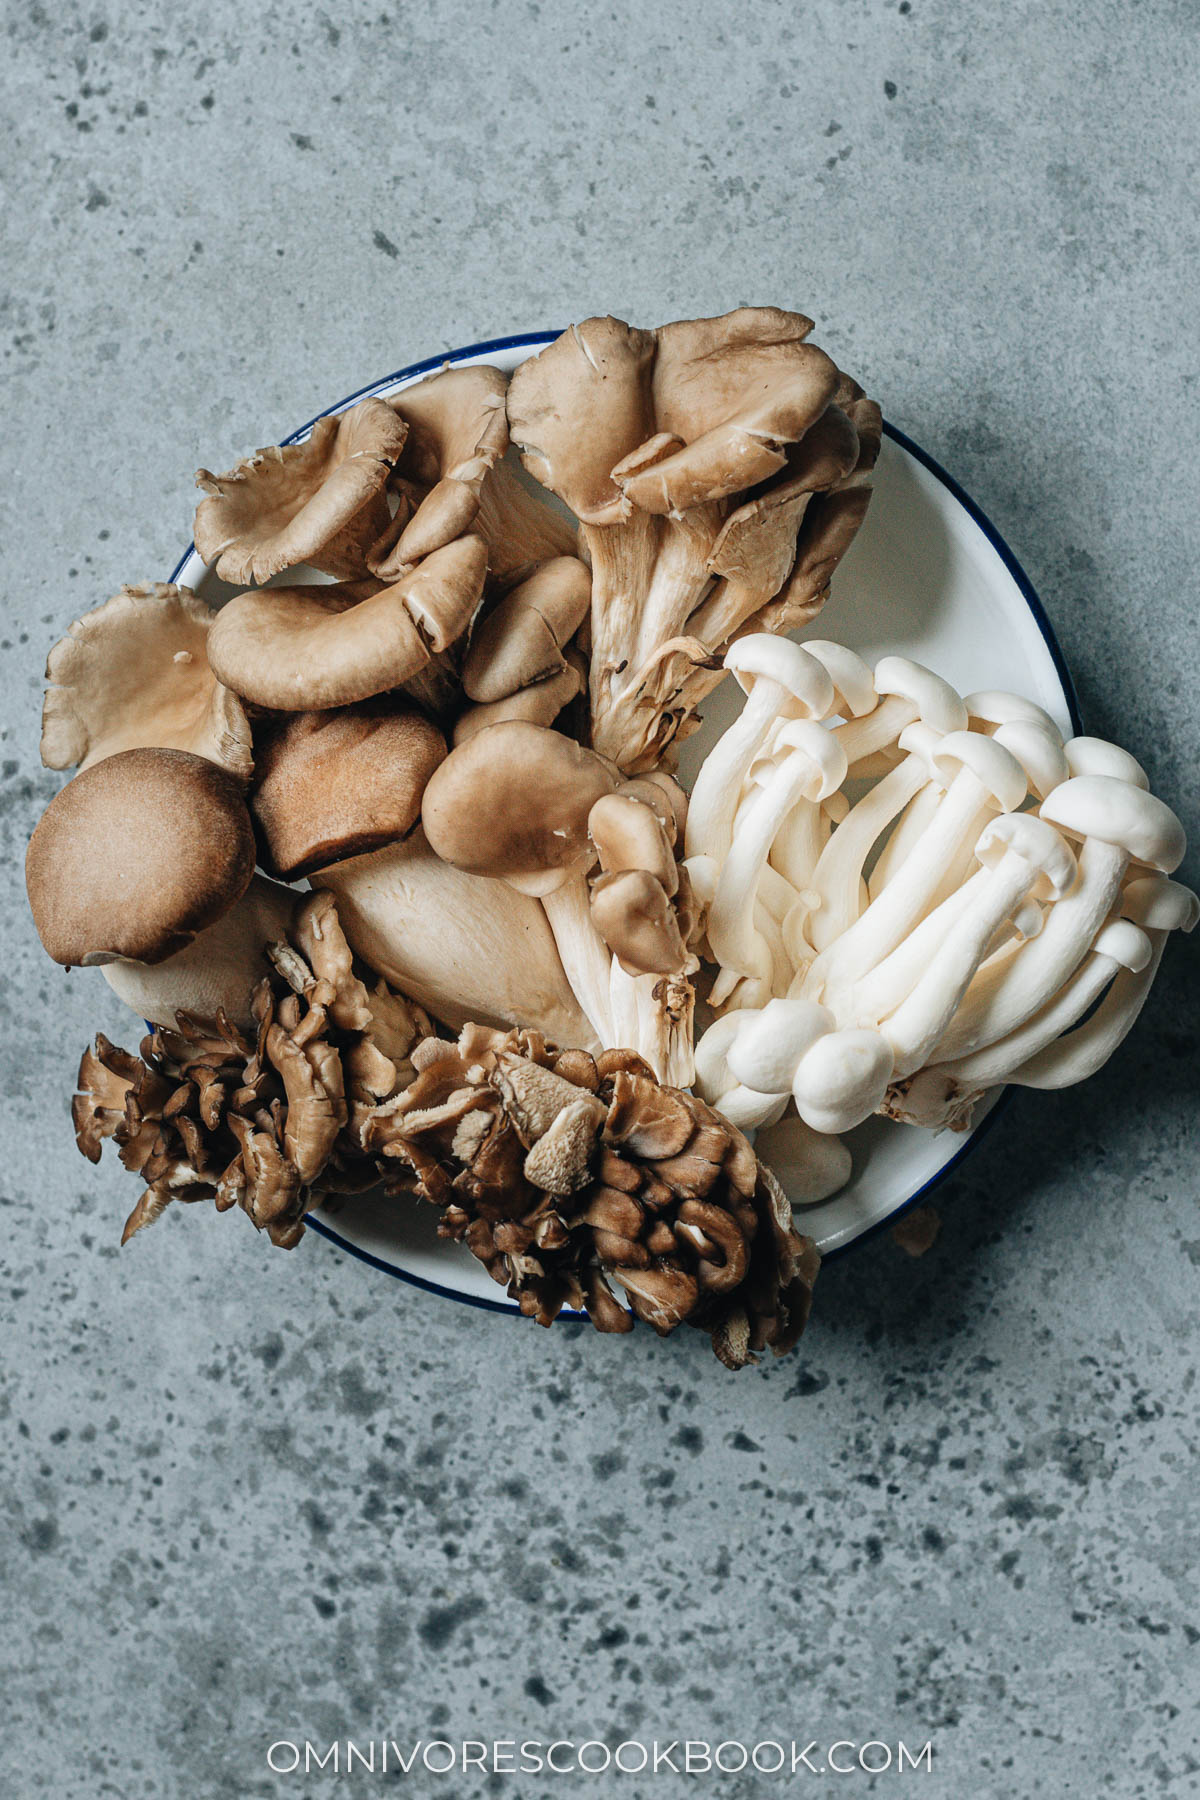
{"points": [[134, 673], [218, 970], [633, 914], [538, 704], [307, 648], [322, 502], [630, 834], [339, 783], [521, 640], [136, 856], [513, 801]]}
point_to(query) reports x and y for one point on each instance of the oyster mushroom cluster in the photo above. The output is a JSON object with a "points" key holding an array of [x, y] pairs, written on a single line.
{"points": [[991, 907]]}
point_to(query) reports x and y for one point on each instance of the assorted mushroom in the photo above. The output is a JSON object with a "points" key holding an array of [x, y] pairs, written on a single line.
{"points": [[455, 719]]}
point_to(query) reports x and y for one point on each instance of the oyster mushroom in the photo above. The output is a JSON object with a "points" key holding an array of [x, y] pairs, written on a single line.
{"points": [[136, 856], [330, 785], [322, 502], [134, 673], [308, 648], [684, 453], [453, 477], [521, 641]]}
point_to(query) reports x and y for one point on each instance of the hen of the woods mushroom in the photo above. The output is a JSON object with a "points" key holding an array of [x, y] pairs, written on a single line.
{"points": [[454, 711]]}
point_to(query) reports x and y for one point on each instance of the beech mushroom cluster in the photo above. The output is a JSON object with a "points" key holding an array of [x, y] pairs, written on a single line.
{"points": [[989, 885]]}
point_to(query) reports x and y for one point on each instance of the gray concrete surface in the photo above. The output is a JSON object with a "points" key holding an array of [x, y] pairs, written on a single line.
{"points": [[252, 1496]]}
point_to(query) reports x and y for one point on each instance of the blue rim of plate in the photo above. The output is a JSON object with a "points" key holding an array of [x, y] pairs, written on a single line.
{"points": [[525, 340]]}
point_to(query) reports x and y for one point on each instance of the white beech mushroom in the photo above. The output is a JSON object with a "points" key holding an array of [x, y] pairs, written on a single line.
{"points": [[134, 673], [330, 785], [1114, 823], [322, 502], [685, 455], [453, 478], [304, 649], [463, 946], [136, 856]]}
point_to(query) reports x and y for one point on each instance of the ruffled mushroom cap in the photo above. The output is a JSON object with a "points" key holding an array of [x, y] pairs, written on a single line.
{"points": [[134, 673], [336, 784], [539, 704], [322, 502], [452, 478], [521, 640], [307, 648], [136, 856], [513, 801]]}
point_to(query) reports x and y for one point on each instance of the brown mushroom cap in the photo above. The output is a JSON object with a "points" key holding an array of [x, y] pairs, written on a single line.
{"points": [[322, 502], [137, 855], [135, 672], [521, 640], [303, 649], [335, 784], [633, 914], [513, 801], [629, 834], [539, 704]]}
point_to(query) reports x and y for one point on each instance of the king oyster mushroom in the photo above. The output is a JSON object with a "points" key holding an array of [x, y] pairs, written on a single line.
{"points": [[135, 673], [329, 785], [322, 502], [691, 456], [136, 856]]}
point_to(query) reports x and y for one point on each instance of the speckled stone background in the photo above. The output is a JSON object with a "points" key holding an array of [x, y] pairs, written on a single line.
{"points": [[251, 1496]]}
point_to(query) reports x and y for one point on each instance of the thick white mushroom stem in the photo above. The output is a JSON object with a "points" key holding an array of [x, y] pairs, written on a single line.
{"points": [[970, 800], [836, 881], [780, 678], [1019, 853], [1117, 823], [813, 768], [584, 955]]}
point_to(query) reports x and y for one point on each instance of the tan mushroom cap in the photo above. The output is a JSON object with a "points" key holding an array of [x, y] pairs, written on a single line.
{"points": [[733, 392], [513, 801], [633, 914], [322, 502], [135, 673], [137, 855], [335, 784], [307, 648], [539, 704], [521, 640]]}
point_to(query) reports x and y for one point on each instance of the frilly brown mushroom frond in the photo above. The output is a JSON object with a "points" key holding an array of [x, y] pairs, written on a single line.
{"points": [[322, 502], [265, 1120], [134, 673], [452, 477], [719, 470], [568, 1175]]}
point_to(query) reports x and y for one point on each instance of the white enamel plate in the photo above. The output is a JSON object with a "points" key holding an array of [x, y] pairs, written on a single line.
{"points": [[927, 577]]}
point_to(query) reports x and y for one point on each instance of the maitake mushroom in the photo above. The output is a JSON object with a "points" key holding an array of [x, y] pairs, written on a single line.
{"points": [[718, 469], [566, 1175], [264, 1121], [134, 673]]}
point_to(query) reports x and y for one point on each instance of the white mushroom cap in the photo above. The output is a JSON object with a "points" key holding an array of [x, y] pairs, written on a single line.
{"points": [[1159, 904], [853, 682], [1037, 843], [808, 684], [996, 769], [770, 1043], [995, 706], [1039, 752], [1125, 943], [1129, 818], [1096, 756], [842, 1080], [936, 701]]}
